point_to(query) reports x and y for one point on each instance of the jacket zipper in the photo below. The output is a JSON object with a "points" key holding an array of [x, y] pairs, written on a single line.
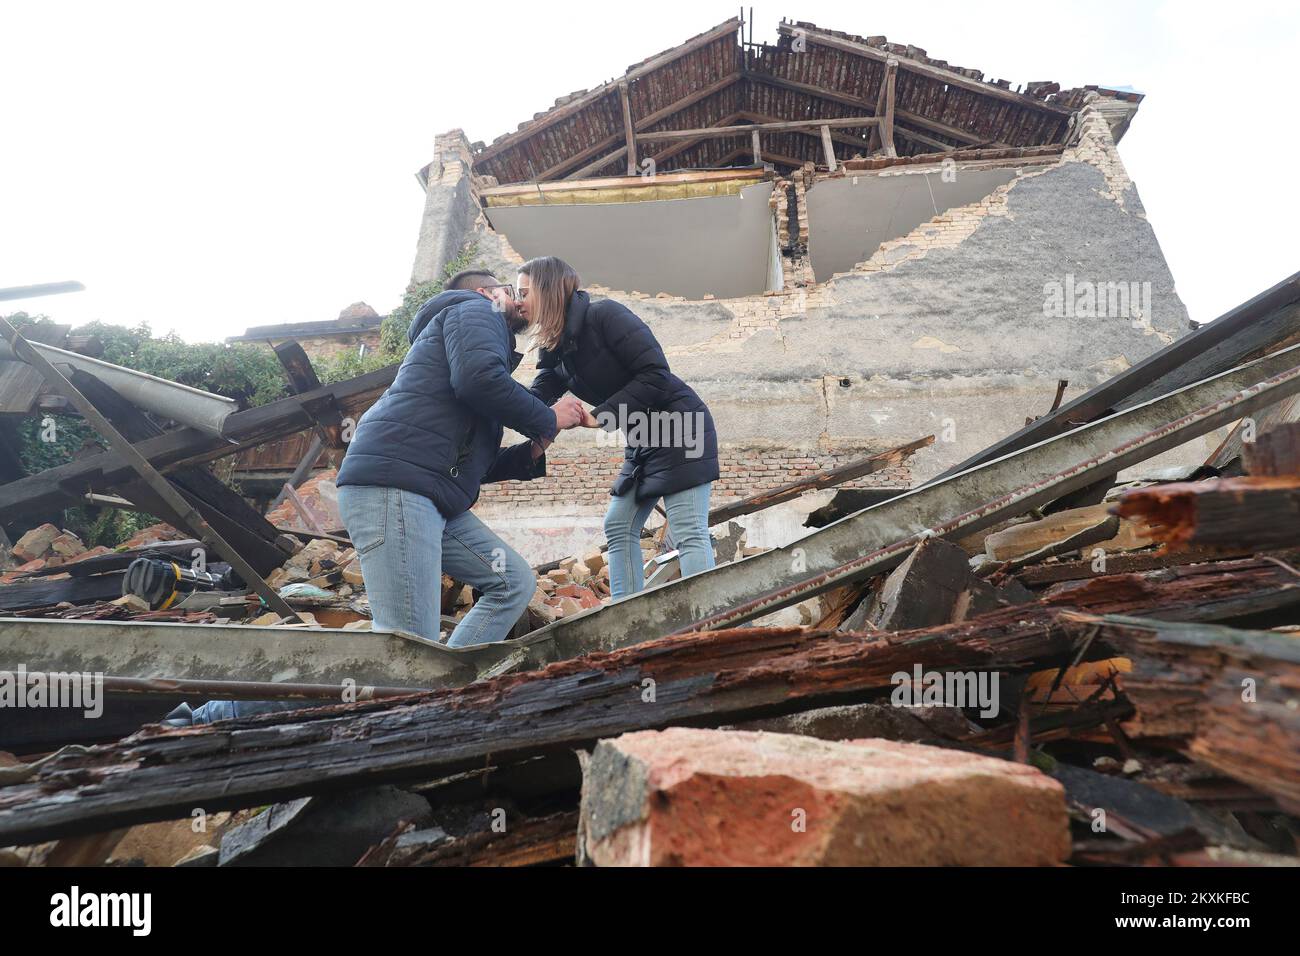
{"points": [[464, 450]]}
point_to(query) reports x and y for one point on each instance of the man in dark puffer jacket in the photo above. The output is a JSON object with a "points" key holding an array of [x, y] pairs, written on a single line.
{"points": [[418, 456]]}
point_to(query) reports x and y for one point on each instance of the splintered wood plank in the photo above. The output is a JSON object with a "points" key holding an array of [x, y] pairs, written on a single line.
{"points": [[539, 842], [1224, 695], [1260, 513], [1276, 452], [923, 591], [1022, 539]]}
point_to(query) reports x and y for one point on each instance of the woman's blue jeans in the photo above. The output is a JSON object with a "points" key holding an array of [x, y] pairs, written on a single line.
{"points": [[688, 526], [405, 544]]}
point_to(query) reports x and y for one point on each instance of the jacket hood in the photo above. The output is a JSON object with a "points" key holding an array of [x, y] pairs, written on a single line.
{"points": [[435, 305]]}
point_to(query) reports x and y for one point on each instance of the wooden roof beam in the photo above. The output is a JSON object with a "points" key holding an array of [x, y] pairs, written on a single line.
{"points": [[828, 147], [934, 126], [568, 109], [620, 182], [912, 119], [598, 156], [666, 154], [844, 138], [713, 132], [921, 138], [629, 133], [757, 118], [927, 70], [883, 135], [774, 158]]}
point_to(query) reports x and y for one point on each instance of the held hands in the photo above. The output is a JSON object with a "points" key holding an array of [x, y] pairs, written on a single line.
{"points": [[571, 413]]}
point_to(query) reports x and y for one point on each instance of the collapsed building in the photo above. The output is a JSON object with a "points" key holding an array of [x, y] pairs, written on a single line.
{"points": [[831, 288], [959, 614]]}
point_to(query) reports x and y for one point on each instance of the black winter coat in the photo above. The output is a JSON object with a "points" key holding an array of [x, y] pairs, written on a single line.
{"points": [[437, 430], [609, 358]]}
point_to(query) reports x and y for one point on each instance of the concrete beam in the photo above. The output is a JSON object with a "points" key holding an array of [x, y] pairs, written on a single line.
{"points": [[879, 538], [205, 652]]}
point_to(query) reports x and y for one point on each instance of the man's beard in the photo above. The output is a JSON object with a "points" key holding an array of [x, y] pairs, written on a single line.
{"points": [[515, 322]]}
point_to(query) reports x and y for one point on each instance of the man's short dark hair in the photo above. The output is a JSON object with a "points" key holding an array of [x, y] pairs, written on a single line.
{"points": [[471, 279]]}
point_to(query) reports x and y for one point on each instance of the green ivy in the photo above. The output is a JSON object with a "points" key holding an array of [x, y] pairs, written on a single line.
{"points": [[250, 374], [51, 440]]}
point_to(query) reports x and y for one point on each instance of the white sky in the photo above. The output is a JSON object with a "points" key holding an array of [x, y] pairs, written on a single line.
{"points": [[210, 167]]}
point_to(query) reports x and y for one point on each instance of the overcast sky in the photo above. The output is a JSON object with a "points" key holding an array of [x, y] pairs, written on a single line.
{"points": [[210, 167]]}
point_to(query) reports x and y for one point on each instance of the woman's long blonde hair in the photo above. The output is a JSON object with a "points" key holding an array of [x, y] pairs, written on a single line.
{"points": [[551, 284]]}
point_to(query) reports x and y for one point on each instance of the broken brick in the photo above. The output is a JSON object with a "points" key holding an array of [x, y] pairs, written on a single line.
{"points": [[694, 797]]}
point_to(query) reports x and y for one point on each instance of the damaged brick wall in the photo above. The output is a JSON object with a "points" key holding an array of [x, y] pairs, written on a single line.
{"points": [[584, 477]]}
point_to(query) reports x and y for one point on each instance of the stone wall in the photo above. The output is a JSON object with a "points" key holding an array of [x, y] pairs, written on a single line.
{"points": [[331, 346]]}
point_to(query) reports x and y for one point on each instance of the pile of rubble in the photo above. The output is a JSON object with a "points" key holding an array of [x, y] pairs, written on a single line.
{"points": [[45, 546], [1002, 698], [1025, 660]]}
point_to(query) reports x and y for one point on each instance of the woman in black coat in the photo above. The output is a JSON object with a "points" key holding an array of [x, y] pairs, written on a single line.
{"points": [[606, 356]]}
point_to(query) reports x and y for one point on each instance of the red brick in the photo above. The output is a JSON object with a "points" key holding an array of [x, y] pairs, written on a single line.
{"points": [[694, 797]]}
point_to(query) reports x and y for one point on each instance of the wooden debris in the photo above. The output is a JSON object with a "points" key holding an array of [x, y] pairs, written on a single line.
{"points": [[541, 841], [924, 589], [1225, 696], [1274, 453], [1260, 512], [1038, 537], [711, 676]]}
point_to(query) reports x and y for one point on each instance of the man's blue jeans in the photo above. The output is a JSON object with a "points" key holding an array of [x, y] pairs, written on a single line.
{"points": [[688, 525], [405, 544]]}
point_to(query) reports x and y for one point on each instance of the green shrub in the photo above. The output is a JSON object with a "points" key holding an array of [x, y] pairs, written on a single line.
{"points": [[250, 374]]}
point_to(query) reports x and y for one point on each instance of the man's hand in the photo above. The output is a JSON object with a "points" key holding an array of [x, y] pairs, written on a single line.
{"points": [[569, 413]]}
